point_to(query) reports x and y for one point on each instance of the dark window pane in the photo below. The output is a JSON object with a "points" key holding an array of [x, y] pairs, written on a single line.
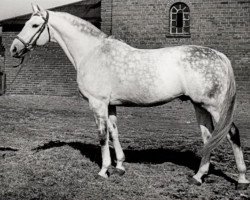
{"points": [[186, 16], [186, 23], [174, 16], [173, 30], [173, 23], [174, 10], [179, 19], [186, 29], [179, 30], [186, 9]]}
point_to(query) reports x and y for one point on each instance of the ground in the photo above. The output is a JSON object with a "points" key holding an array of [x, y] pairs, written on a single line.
{"points": [[49, 149]]}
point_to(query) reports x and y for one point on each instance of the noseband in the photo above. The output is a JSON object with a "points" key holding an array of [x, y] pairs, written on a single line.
{"points": [[28, 46]]}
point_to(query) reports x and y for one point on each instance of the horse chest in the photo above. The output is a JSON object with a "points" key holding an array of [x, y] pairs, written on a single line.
{"points": [[93, 85]]}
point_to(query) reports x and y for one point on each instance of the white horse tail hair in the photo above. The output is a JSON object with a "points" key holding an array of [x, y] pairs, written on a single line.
{"points": [[225, 122]]}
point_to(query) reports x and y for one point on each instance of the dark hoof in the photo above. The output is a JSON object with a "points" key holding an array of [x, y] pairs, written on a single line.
{"points": [[193, 181], [242, 186], [120, 172]]}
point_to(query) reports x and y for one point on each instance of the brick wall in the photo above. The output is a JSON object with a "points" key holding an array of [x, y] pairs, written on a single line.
{"points": [[47, 71], [220, 24]]}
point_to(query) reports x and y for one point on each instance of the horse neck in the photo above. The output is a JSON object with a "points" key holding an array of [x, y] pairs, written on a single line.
{"points": [[76, 44]]}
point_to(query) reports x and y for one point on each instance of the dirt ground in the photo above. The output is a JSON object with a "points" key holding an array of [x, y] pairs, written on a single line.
{"points": [[49, 149]]}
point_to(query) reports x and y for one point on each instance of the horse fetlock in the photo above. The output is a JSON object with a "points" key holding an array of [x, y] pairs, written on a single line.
{"points": [[194, 180], [102, 176], [242, 179], [103, 173], [197, 178], [119, 165]]}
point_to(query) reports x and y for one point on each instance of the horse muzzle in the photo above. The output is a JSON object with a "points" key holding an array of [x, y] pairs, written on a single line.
{"points": [[17, 49]]}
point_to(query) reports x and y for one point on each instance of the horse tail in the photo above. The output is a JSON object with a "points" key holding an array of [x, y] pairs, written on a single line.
{"points": [[226, 113]]}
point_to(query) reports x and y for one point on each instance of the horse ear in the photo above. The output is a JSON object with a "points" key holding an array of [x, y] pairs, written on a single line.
{"points": [[40, 8], [36, 8]]}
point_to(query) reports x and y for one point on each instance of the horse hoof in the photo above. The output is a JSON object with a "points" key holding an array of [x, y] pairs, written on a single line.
{"points": [[242, 186], [120, 172], [193, 181], [101, 177]]}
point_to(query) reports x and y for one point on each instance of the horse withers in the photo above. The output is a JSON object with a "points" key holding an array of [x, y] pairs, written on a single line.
{"points": [[111, 73]]}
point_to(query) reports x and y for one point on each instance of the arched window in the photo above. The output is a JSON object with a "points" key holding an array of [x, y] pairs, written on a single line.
{"points": [[179, 19]]}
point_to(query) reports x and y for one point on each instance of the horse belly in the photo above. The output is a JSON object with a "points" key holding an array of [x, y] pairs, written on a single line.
{"points": [[159, 86]]}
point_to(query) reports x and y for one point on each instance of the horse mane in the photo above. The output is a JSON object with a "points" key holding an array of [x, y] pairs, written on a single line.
{"points": [[82, 25]]}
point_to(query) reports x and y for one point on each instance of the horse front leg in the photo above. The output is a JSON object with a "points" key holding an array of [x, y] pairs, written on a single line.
{"points": [[100, 110], [112, 127]]}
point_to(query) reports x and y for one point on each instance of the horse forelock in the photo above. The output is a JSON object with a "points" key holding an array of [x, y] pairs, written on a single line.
{"points": [[82, 25]]}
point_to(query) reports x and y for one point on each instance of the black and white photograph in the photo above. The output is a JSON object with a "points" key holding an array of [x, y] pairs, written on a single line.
{"points": [[124, 100]]}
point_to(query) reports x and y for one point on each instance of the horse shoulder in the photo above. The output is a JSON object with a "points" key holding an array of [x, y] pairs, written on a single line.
{"points": [[93, 77]]}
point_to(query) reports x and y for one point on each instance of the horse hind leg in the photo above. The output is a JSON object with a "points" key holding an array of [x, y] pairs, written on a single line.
{"points": [[205, 123], [234, 139], [112, 126]]}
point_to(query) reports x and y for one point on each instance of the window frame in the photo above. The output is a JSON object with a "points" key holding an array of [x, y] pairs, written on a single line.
{"points": [[184, 19]]}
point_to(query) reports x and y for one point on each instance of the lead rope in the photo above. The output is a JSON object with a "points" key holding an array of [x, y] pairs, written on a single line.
{"points": [[18, 72]]}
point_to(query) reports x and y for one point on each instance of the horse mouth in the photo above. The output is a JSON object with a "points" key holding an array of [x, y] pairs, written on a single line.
{"points": [[21, 53]]}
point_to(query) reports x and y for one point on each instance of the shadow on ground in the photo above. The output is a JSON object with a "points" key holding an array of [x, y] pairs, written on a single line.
{"points": [[153, 156]]}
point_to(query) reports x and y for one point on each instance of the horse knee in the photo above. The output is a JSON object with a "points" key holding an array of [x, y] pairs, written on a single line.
{"points": [[103, 136]]}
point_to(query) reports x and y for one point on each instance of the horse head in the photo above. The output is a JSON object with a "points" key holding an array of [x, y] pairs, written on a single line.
{"points": [[35, 33]]}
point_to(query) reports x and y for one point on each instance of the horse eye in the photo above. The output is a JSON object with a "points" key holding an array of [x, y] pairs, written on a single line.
{"points": [[35, 25]]}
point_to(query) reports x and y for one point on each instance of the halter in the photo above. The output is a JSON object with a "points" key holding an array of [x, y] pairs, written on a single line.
{"points": [[28, 46]]}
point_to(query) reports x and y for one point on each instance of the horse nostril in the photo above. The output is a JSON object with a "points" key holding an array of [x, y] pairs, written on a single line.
{"points": [[14, 50]]}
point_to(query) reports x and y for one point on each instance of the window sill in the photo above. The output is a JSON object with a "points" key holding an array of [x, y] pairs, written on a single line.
{"points": [[178, 36]]}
